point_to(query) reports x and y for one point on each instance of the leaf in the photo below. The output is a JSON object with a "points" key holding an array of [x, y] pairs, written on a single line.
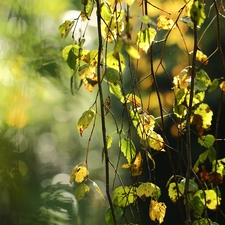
{"points": [[65, 28], [136, 166], [124, 196], [201, 159], [197, 13], [183, 79], [212, 200], [213, 85], [206, 114], [192, 187], [112, 76], [109, 141], [128, 149], [174, 194], [98, 190], [116, 90], [155, 141], [88, 8], [202, 81], [115, 61], [108, 215], [79, 174], [188, 21], [222, 86], [165, 23], [85, 120], [201, 57], [204, 221], [132, 51], [157, 211], [70, 54], [132, 98], [80, 191], [148, 189], [206, 140], [197, 202], [145, 38], [106, 11]]}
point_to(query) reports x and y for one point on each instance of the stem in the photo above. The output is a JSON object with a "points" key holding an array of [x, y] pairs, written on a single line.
{"points": [[101, 98], [188, 129]]}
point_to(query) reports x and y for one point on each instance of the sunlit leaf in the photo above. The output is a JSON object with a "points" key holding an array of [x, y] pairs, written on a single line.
{"points": [[197, 13], [205, 114], [65, 28], [214, 85], [155, 141], [116, 90], [180, 96], [88, 8], [97, 188], [175, 194], [148, 189], [115, 61], [112, 76], [80, 191], [145, 38], [109, 141], [200, 56], [132, 51], [212, 200], [87, 74], [206, 140], [124, 196], [197, 98], [132, 98], [183, 79], [70, 54], [222, 86], [85, 120], [136, 166], [78, 174], [165, 23], [118, 214], [146, 19], [106, 11], [157, 211], [128, 149], [180, 110]]}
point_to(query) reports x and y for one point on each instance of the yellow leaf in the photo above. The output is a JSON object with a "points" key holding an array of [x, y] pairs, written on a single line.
{"points": [[200, 56], [165, 23], [155, 141], [222, 86], [212, 200], [157, 211], [80, 191], [79, 174]]}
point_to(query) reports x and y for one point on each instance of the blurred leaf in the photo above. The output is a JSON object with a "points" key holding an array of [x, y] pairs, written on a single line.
{"points": [[109, 141], [165, 23], [201, 57], [132, 51], [88, 8], [98, 190], [145, 38], [213, 86], [197, 13], [108, 215], [115, 61], [206, 140], [112, 76], [157, 211], [128, 149], [188, 21], [80, 191], [116, 90], [65, 28], [85, 120], [124, 196], [222, 86]]}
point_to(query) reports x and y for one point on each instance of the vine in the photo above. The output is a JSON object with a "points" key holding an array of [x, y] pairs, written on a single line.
{"points": [[104, 68]]}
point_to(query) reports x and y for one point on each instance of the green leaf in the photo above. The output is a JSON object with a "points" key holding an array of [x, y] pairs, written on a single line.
{"points": [[193, 187], [197, 13], [202, 81], [70, 54], [109, 141], [85, 120], [98, 189], [197, 202], [145, 38], [180, 96], [212, 154], [128, 149], [88, 8], [213, 86], [115, 61], [80, 191], [65, 28], [132, 51], [112, 76], [188, 21], [106, 11], [148, 189], [116, 90], [204, 221], [124, 195], [206, 140], [108, 216], [174, 194]]}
